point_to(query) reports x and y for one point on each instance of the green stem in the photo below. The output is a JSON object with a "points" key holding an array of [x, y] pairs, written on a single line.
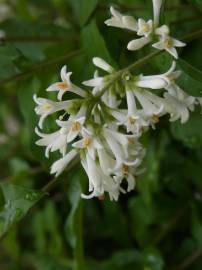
{"points": [[191, 36]]}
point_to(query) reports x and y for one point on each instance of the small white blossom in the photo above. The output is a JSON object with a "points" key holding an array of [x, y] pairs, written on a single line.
{"points": [[163, 30], [121, 21], [106, 161], [88, 142], [98, 82], [65, 85], [53, 141], [144, 28], [152, 82], [98, 181], [73, 126], [160, 81], [59, 166], [46, 107], [179, 108], [168, 43]]}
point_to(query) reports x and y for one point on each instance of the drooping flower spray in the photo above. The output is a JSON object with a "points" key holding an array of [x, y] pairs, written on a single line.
{"points": [[98, 129]]}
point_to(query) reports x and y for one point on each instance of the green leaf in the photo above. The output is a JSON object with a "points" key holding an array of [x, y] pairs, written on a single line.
{"points": [[93, 42], [86, 8], [192, 71], [189, 133], [191, 79], [17, 201]]}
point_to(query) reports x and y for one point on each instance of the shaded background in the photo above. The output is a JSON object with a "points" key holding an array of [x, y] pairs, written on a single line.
{"points": [[159, 226]]}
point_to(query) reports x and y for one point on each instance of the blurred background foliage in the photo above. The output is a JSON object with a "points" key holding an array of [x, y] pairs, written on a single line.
{"points": [[159, 226]]}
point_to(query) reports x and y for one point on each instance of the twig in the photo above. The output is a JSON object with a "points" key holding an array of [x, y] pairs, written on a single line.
{"points": [[169, 225], [195, 255], [41, 66], [192, 36], [125, 7], [185, 19], [33, 39]]}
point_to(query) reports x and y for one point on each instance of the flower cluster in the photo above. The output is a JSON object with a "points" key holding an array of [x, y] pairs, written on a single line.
{"points": [[104, 126], [147, 32]]}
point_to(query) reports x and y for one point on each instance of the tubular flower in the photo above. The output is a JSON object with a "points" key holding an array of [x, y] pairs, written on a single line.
{"points": [[149, 31], [65, 85], [121, 21]]}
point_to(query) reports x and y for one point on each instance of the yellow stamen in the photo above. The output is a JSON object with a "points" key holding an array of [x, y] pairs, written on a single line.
{"points": [[155, 119], [171, 77], [145, 28], [47, 106], [125, 169], [63, 85], [168, 43], [87, 141], [131, 140], [131, 120], [76, 126]]}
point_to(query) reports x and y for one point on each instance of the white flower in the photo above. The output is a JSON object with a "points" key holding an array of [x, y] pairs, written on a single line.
{"points": [[152, 82], [68, 131], [135, 117], [121, 21], [99, 62], [98, 181], [73, 126], [138, 43], [135, 123], [65, 85], [88, 142], [46, 107], [118, 144], [152, 105], [144, 28], [53, 141], [164, 80], [168, 43], [98, 82], [163, 30], [129, 171], [110, 99], [179, 108], [126, 173], [59, 166], [156, 10], [107, 163]]}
